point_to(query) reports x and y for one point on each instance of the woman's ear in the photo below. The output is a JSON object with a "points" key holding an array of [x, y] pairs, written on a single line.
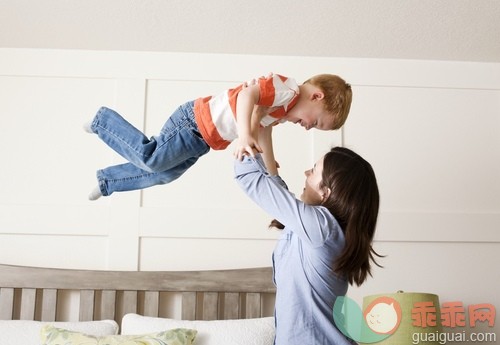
{"points": [[325, 193]]}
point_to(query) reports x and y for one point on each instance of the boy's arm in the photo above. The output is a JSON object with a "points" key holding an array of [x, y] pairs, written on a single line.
{"points": [[265, 135], [247, 141], [266, 143]]}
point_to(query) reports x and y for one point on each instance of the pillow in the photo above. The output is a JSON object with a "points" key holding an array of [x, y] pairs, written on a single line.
{"points": [[259, 331], [28, 332], [50, 335]]}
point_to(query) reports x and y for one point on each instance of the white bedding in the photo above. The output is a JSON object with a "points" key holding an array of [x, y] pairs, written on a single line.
{"points": [[20, 332], [258, 331]]}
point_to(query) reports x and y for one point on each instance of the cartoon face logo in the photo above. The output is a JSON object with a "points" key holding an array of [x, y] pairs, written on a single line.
{"points": [[383, 315]]}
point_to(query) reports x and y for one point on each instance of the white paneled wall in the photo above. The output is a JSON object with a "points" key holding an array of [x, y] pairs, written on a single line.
{"points": [[430, 129]]}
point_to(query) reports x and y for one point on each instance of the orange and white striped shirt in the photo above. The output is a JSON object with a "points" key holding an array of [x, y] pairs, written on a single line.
{"points": [[216, 115]]}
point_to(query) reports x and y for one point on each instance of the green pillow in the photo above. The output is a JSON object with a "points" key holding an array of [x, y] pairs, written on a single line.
{"points": [[51, 335]]}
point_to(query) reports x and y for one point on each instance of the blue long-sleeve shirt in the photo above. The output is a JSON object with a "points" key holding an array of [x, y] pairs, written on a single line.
{"points": [[302, 259]]}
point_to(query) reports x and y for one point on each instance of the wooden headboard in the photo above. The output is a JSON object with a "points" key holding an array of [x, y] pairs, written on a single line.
{"points": [[31, 293]]}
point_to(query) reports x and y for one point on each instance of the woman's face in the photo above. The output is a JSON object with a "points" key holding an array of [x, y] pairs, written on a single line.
{"points": [[312, 193]]}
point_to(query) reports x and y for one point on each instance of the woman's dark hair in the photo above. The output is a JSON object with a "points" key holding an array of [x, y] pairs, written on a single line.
{"points": [[354, 202]]}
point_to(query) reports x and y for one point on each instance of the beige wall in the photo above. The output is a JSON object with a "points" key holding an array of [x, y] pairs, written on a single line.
{"points": [[430, 129]]}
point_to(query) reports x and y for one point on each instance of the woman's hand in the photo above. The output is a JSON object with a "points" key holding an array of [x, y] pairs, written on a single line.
{"points": [[247, 145]]}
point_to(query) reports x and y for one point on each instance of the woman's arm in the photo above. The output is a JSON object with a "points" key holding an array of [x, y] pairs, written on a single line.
{"points": [[311, 223]]}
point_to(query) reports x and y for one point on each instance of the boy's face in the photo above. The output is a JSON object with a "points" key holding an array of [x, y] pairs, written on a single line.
{"points": [[309, 112]]}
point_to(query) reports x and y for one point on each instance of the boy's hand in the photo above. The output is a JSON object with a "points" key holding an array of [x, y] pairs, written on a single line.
{"points": [[248, 145]]}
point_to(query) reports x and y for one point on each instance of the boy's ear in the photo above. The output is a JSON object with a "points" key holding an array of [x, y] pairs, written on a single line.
{"points": [[317, 96]]}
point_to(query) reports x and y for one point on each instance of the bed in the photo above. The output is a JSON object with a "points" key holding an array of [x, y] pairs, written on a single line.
{"points": [[33, 294]]}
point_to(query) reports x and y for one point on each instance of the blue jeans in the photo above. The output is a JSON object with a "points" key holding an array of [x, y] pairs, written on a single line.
{"points": [[158, 160]]}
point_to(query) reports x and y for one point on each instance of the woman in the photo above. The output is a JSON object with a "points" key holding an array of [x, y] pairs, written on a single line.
{"points": [[326, 242]]}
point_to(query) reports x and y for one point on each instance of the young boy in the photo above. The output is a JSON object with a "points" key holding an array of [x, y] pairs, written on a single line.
{"points": [[321, 102]]}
